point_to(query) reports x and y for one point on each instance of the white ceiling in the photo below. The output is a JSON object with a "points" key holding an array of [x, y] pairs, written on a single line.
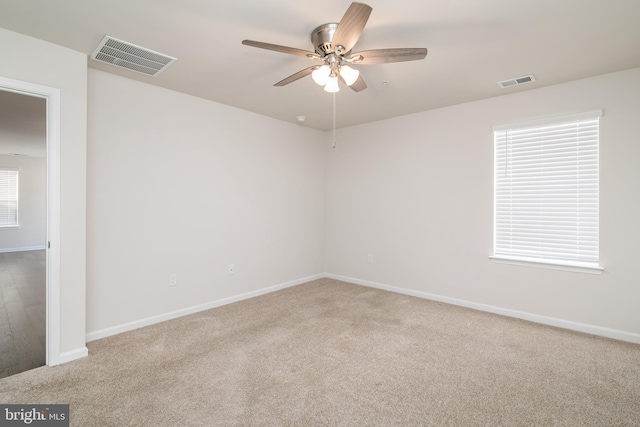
{"points": [[472, 44]]}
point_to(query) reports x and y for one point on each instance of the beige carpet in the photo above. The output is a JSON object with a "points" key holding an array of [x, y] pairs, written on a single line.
{"points": [[332, 353]]}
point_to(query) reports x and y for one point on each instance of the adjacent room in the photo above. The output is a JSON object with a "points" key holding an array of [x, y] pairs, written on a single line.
{"points": [[285, 213], [23, 221]]}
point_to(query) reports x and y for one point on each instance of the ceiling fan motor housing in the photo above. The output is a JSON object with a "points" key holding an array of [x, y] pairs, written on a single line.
{"points": [[321, 38]]}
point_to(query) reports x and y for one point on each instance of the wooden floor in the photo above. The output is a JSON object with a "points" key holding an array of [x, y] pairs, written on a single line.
{"points": [[22, 311]]}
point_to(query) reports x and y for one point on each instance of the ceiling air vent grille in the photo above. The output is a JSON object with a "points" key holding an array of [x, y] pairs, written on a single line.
{"points": [[517, 81], [135, 58]]}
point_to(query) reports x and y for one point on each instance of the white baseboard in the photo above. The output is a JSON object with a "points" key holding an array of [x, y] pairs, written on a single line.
{"points": [[70, 356], [103, 333], [551, 321], [23, 249]]}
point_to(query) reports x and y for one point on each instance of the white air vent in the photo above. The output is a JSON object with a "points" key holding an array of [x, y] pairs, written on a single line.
{"points": [[135, 58], [517, 81]]}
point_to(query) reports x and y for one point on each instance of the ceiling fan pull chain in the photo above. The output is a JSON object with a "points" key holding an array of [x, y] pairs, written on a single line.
{"points": [[334, 120]]}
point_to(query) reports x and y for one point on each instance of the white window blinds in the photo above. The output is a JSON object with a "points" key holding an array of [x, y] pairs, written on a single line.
{"points": [[8, 198], [547, 190]]}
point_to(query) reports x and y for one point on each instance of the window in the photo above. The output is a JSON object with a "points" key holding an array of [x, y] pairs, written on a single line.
{"points": [[546, 183], [8, 198]]}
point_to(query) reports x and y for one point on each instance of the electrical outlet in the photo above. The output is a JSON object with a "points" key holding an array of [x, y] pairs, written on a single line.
{"points": [[370, 258], [230, 269], [173, 279]]}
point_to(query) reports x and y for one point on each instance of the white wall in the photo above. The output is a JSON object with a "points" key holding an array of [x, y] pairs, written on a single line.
{"points": [[35, 61], [178, 184], [32, 213], [416, 192]]}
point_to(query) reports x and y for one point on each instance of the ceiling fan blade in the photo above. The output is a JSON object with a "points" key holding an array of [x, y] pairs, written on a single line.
{"points": [[351, 26], [384, 56], [278, 48], [297, 76], [359, 85]]}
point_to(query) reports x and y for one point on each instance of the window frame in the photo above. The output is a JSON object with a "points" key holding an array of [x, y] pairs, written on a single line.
{"points": [[503, 256], [17, 197]]}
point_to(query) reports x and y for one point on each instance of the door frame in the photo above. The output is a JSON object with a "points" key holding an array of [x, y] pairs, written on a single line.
{"points": [[52, 98]]}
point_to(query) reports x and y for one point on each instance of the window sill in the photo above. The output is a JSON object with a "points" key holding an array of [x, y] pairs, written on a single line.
{"points": [[577, 267]]}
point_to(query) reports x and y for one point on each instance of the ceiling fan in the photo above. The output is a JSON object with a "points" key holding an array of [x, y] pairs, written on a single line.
{"points": [[333, 44]]}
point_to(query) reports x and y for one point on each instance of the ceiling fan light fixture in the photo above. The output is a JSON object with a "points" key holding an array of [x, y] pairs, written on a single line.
{"points": [[349, 74], [332, 85], [321, 75]]}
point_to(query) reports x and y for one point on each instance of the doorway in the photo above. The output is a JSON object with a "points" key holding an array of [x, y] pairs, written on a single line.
{"points": [[32, 265], [23, 218]]}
